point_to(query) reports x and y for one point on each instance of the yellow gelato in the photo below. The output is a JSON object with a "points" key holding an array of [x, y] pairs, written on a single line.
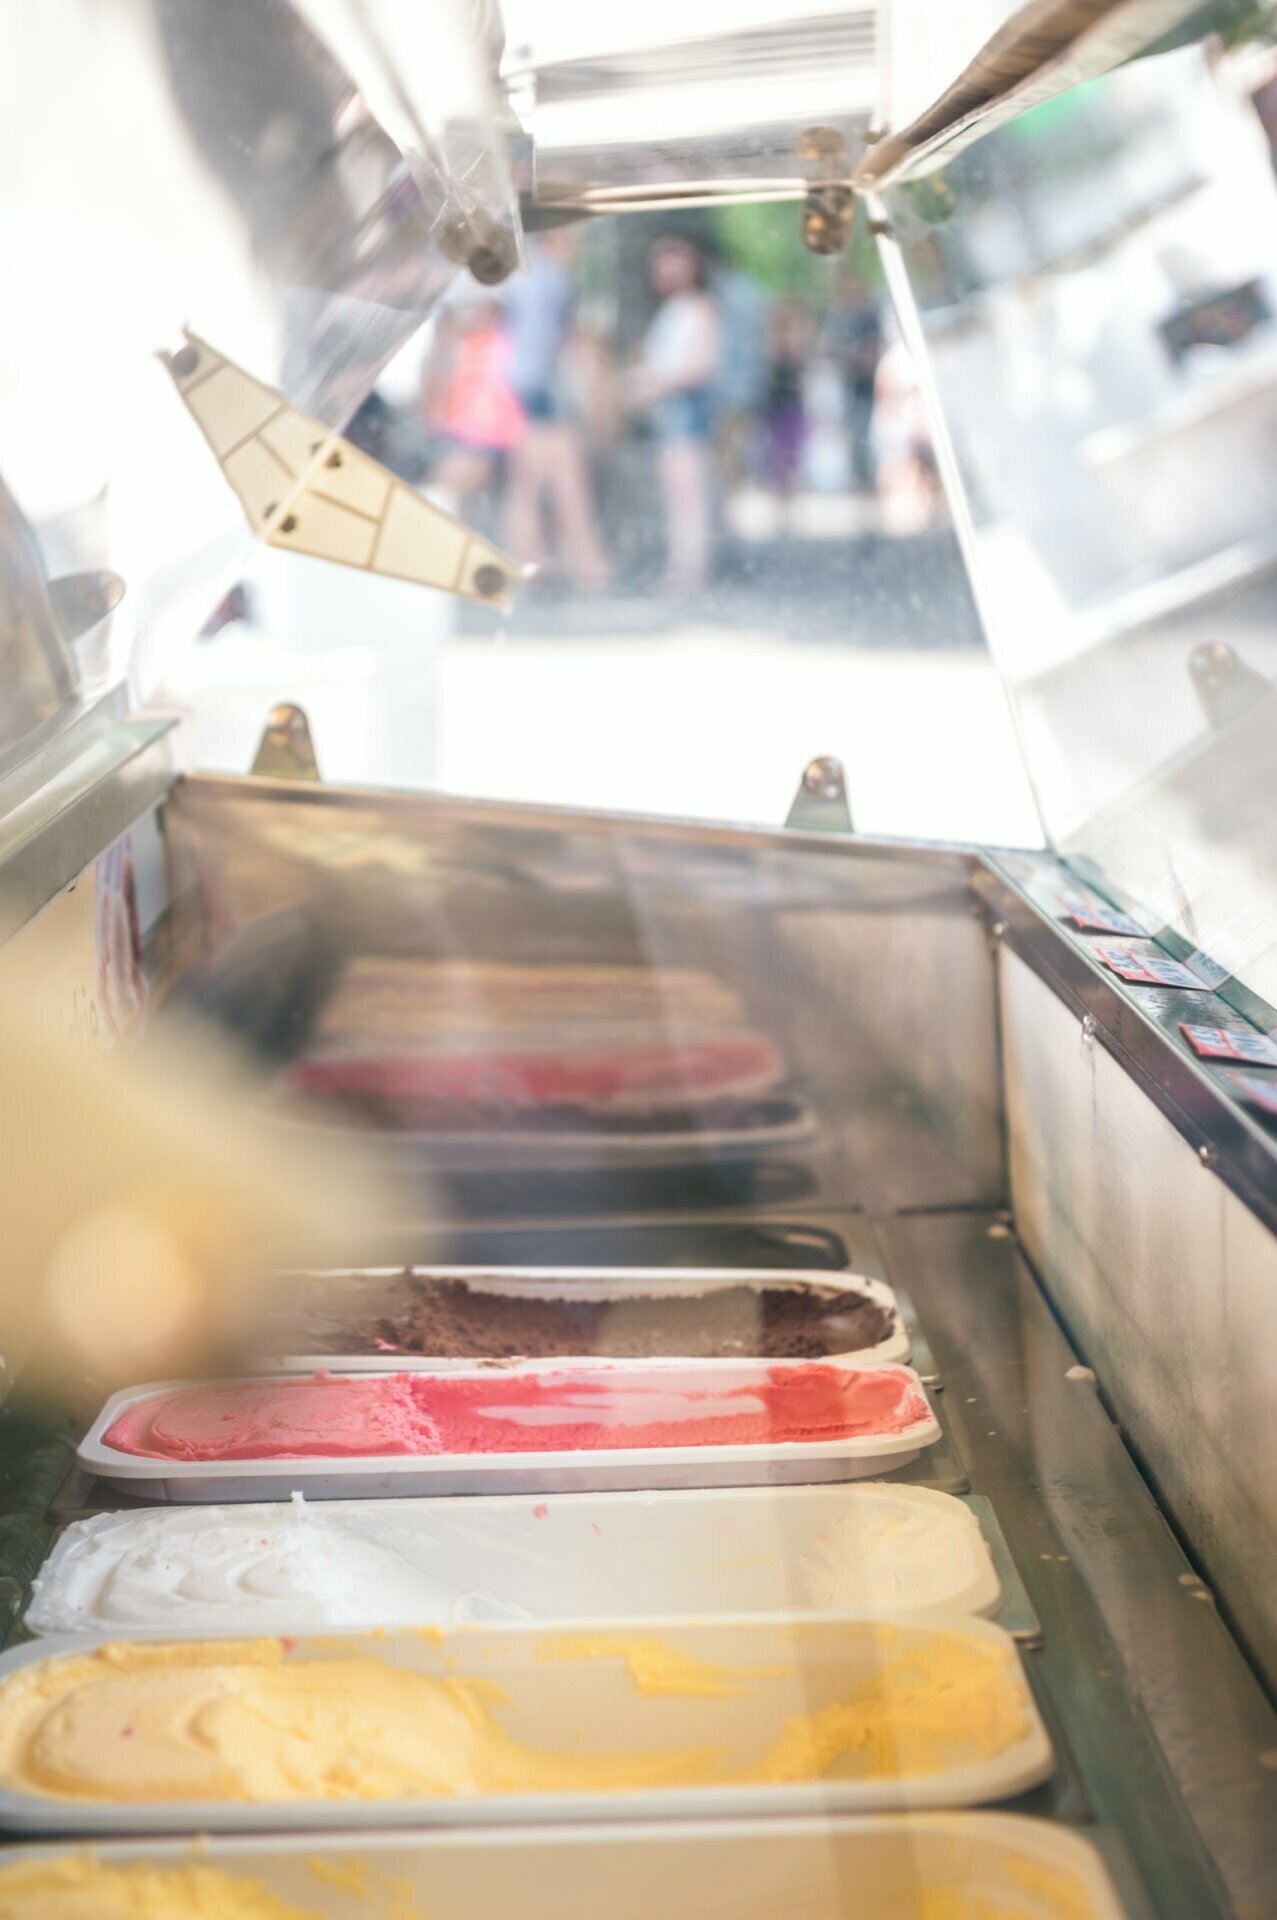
{"points": [[239, 1720], [82, 1888], [654, 1667], [932, 1703], [1033, 1892]]}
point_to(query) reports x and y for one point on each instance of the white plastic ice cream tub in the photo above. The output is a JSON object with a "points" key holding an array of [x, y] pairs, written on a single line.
{"points": [[598, 1470], [329, 1300], [556, 1691], [823, 1869], [298, 1567]]}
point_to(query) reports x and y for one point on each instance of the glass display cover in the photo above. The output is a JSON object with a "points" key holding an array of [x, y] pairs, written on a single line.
{"points": [[1096, 287]]}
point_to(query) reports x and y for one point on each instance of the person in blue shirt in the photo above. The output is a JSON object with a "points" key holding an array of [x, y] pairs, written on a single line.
{"points": [[549, 470]]}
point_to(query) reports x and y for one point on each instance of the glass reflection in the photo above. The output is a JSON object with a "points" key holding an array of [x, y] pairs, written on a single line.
{"points": [[711, 446], [1097, 285]]}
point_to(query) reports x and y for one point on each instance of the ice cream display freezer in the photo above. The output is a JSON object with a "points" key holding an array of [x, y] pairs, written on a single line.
{"points": [[952, 1037], [800, 1428]]}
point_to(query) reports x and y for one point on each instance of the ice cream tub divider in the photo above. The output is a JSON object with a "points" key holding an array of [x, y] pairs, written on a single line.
{"points": [[703, 1718], [598, 1469], [591, 1558], [330, 1300], [632, 1872]]}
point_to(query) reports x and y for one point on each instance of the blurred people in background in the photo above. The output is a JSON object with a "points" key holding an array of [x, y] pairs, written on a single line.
{"points": [[908, 481], [785, 412], [854, 337], [468, 401], [548, 466], [740, 379], [675, 382], [598, 401]]}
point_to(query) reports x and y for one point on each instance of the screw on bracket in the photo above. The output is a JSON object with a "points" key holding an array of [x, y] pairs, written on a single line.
{"points": [[489, 582], [824, 777], [831, 201]]}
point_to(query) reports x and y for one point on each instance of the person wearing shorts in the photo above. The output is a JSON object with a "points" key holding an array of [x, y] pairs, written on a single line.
{"points": [[675, 382]]}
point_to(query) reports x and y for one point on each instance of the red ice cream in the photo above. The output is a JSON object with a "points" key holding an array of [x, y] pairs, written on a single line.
{"points": [[599, 1076], [334, 1416]]}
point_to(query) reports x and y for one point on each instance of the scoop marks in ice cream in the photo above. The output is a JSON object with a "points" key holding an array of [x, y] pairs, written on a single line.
{"points": [[331, 1416], [287, 1568], [80, 1887], [246, 1721]]}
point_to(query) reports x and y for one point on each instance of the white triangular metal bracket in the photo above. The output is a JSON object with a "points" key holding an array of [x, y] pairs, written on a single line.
{"points": [[306, 490]]}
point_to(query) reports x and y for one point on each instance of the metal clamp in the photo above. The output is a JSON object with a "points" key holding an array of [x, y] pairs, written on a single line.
{"points": [[830, 206], [820, 804], [286, 750]]}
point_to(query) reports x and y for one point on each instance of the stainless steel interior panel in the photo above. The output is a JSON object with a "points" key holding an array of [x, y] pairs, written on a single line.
{"points": [[861, 962], [1166, 1725], [1167, 1281]]}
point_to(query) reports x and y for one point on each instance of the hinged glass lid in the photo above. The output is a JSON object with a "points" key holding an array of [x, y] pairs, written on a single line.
{"points": [[1095, 282]]}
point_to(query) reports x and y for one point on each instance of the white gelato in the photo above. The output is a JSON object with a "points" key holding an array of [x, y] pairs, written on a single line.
{"points": [[279, 1569], [365, 1563], [901, 1548]]}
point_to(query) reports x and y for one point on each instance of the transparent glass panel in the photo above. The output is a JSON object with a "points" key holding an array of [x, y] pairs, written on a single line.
{"points": [[1097, 285], [170, 166], [743, 562]]}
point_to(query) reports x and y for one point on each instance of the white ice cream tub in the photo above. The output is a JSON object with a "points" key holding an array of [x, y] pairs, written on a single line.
{"points": [[600, 1470], [682, 1872], [597, 1558], [556, 1699], [329, 1299]]}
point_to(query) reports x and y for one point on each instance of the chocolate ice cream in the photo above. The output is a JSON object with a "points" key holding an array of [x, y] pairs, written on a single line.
{"points": [[453, 1320]]}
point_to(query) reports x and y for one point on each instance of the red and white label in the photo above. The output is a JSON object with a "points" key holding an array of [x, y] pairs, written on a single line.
{"points": [[1148, 969], [1226, 1043]]}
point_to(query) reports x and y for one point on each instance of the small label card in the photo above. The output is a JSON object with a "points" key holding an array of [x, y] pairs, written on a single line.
{"points": [[1148, 969], [1226, 1043]]}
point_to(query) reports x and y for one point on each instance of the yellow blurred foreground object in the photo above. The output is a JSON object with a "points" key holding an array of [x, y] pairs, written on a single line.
{"points": [[147, 1196]]}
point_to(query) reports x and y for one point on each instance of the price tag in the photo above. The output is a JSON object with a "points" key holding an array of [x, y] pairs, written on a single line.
{"points": [[1259, 1093], [1088, 919], [1148, 969], [1226, 1043]]}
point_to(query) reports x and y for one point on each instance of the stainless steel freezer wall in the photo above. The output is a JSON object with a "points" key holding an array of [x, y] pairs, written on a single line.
{"points": [[1166, 1280], [864, 963]]}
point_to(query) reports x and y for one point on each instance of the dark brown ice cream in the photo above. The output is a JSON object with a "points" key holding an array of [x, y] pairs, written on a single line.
{"points": [[452, 1320]]}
